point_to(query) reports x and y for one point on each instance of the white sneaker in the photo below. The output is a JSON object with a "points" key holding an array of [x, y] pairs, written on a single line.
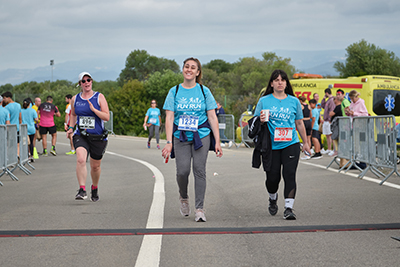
{"points": [[222, 144], [230, 144], [200, 217], [323, 151], [305, 157], [332, 153], [184, 209], [312, 151]]}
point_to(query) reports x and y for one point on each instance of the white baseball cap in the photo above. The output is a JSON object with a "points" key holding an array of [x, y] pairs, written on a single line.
{"points": [[1, 98], [82, 74]]}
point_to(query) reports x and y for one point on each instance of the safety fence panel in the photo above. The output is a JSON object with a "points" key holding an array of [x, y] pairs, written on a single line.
{"points": [[109, 125], [345, 138], [226, 123], [23, 148], [371, 140], [12, 148], [3, 149], [244, 128]]}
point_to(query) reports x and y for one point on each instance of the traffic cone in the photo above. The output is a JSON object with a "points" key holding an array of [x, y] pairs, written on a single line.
{"points": [[35, 154]]}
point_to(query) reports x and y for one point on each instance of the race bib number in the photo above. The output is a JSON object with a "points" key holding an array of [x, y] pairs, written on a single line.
{"points": [[153, 121], [283, 134], [188, 123], [87, 122]]}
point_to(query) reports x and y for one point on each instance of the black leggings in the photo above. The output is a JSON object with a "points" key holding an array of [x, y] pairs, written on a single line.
{"points": [[288, 158], [31, 138]]}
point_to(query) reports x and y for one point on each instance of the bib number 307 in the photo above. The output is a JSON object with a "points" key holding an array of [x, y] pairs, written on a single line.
{"points": [[283, 134]]}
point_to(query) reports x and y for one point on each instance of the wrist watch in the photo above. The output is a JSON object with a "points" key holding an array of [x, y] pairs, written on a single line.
{"points": [[169, 142]]}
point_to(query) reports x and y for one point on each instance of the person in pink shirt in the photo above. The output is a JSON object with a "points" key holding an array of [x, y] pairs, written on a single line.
{"points": [[357, 107], [46, 113]]}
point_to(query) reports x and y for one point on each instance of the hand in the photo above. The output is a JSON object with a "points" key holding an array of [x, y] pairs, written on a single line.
{"points": [[218, 150], [91, 106], [262, 117], [306, 148], [70, 132], [166, 152]]}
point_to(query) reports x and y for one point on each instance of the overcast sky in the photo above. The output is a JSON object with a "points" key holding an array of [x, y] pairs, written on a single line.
{"points": [[33, 32]]}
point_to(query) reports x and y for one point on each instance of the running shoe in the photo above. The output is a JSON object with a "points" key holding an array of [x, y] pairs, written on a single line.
{"points": [[288, 214], [45, 153], [325, 151], [71, 152], [158, 146], [316, 156], [81, 194], [185, 209], [148, 144], [332, 153], [273, 207], [222, 144], [305, 157], [53, 152], [94, 195], [200, 217], [230, 144]]}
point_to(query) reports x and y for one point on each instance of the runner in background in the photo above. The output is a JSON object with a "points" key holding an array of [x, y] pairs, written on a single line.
{"points": [[46, 113], [152, 121], [66, 123], [29, 117], [38, 137]]}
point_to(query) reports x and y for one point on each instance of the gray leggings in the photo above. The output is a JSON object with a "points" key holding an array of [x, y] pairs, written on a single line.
{"points": [[153, 128], [184, 152]]}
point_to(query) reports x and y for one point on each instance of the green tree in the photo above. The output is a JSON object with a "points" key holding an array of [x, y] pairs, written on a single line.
{"points": [[219, 66], [364, 58], [129, 106], [139, 65], [159, 84]]}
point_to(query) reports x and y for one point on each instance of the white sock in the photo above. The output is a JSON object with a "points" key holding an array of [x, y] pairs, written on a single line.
{"points": [[272, 196], [289, 203]]}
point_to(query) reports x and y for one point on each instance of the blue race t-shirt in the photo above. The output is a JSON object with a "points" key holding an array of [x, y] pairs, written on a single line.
{"points": [[4, 115], [315, 113], [153, 114], [28, 117], [14, 109], [282, 114], [190, 102]]}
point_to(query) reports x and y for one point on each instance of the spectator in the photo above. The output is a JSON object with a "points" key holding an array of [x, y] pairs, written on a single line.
{"points": [[357, 107], [316, 135], [337, 112], [328, 106], [15, 111], [344, 102]]}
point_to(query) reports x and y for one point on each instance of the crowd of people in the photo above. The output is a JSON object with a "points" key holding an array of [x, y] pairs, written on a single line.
{"points": [[192, 130]]}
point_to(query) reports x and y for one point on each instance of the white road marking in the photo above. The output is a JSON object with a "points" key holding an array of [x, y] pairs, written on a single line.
{"points": [[366, 178], [149, 253]]}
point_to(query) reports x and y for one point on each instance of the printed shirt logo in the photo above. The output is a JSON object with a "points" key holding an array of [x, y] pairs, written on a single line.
{"points": [[282, 114], [389, 103], [193, 104]]}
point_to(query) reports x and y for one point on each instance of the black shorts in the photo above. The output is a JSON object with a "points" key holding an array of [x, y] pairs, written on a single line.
{"points": [[307, 125], [96, 149], [316, 134], [44, 130]]}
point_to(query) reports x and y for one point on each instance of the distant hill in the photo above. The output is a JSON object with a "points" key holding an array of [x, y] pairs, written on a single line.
{"points": [[317, 62]]}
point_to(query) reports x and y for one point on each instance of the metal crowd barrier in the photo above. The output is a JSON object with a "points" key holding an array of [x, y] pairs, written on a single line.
{"points": [[24, 149], [371, 140], [109, 125], [226, 124], [9, 155], [244, 128]]}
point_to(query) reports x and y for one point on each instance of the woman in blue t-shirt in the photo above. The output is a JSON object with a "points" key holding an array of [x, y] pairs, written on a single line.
{"points": [[285, 115], [29, 117], [190, 118], [152, 120]]}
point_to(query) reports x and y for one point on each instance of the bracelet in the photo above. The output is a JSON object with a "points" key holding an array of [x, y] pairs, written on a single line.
{"points": [[169, 142], [70, 127]]}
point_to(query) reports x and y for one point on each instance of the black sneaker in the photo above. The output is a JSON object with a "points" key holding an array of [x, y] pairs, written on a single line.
{"points": [[316, 156], [288, 214], [81, 194], [94, 196], [273, 208]]}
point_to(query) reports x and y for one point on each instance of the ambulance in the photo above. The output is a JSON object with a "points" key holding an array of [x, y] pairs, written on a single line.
{"points": [[381, 93]]}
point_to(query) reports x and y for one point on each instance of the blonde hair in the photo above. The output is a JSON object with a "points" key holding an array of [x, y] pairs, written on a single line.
{"points": [[354, 93]]}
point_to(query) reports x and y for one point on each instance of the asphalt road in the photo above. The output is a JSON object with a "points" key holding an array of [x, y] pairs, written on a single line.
{"points": [[341, 220]]}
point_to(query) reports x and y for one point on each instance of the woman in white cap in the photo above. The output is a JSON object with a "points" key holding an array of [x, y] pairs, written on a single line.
{"points": [[89, 111]]}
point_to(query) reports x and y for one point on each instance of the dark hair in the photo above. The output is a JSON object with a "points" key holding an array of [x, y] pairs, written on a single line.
{"points": [[275, 74], [69, 96], [340, 90], [328, 90], [26, 103], [312, 101], [302, 98], [49, 97], [198, 78], [7, 94]]}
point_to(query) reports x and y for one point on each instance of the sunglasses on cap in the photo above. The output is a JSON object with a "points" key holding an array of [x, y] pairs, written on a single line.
{"points": [[87, 80]]}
